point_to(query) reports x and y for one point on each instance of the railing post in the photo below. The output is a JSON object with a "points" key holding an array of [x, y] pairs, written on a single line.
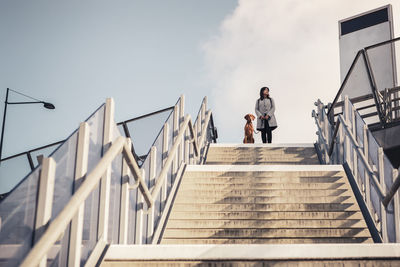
{"points": [[181, 119], [203, 116], [45, 199], [178, 155], [340, 144], [165, 147], [74, 252], [139, 215], [347, 139], [181, 110], [152, 178], [187, 152], [324, 136], [124, 213], [396, 207], [106, 178], [355, 157], [367, 180], [381, 173]]}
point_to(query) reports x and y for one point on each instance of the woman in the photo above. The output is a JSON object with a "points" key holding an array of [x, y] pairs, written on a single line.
{"points": [[265, 109]]}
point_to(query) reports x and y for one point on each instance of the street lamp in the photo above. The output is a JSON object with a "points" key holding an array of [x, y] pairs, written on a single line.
{"points": [[37, 101]]}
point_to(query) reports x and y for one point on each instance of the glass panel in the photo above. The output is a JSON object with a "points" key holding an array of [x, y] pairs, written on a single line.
{"points": [[58, 255], [360, 129], [381, 62], [357, 85], [12, 171], [132, 211], [143, 206], [115, 200], [96, 123], [91, 210], [65, 157], [375, 199], [90, 223], [372, 150], [144, 131], [17, 213], [361, 174]]}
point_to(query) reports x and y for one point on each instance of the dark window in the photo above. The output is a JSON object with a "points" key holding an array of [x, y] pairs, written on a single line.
{"points": [[364, 21]]}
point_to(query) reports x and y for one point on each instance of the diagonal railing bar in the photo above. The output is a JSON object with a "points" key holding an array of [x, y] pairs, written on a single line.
{"points": [[162, 176]]}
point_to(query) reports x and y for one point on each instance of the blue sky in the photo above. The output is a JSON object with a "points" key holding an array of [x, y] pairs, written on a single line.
{"points": [[145, 54], [75, 54]]}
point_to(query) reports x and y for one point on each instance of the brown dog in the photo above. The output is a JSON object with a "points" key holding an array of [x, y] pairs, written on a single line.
{"points": [[248, 129]]}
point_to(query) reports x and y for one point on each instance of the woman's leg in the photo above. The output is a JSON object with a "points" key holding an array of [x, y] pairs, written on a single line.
{"points": [[263, 135], [268, 131], [269, 135]]}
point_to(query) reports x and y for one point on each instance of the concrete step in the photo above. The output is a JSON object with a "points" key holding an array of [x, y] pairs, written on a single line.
{"points": [[259, 207], [320, 240], [263, 192], [264, 224], [199, 185], [299, 161], [258, 253], [262, 155], [266, 215], [261, 149], [265, 171], [266, 233], [255, 179], [262, 199]]}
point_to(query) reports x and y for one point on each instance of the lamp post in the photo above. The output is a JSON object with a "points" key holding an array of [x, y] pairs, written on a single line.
{"points": [[37, 101]]}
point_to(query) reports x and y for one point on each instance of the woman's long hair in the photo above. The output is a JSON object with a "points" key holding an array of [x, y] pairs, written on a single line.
{"points": [[261, 93]]}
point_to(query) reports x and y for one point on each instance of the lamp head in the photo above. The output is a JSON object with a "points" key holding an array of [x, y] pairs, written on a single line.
{"points": [[48, 105]]}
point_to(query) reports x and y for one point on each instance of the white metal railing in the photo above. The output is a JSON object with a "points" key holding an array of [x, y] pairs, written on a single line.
{"points": [[351, 143], [114, 201]]}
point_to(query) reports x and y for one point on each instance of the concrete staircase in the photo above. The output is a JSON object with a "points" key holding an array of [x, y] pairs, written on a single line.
{"points": [[267, 194], [261, 205]]}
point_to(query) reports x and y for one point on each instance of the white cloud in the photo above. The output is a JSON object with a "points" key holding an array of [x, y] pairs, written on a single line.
{"points": [[290, 46]]}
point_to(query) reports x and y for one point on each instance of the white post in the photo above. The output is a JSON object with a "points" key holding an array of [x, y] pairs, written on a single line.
{"points": [[165, 154], [347, 139], [139, 215], [181, 119], [355, 157], [45, 199], [74, 253], [106, 178], [203, 117], [124, 213], [152, 178], [181, 110], [340, 145], [187, 152], [367, 180], [381, 173], [198, 129], [178, 155]]}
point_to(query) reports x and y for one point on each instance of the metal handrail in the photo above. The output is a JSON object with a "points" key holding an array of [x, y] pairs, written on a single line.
{"points": [[62, 141], [121, 145], [362, 156], [162, 176], [375, 91], [384, 197]]}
